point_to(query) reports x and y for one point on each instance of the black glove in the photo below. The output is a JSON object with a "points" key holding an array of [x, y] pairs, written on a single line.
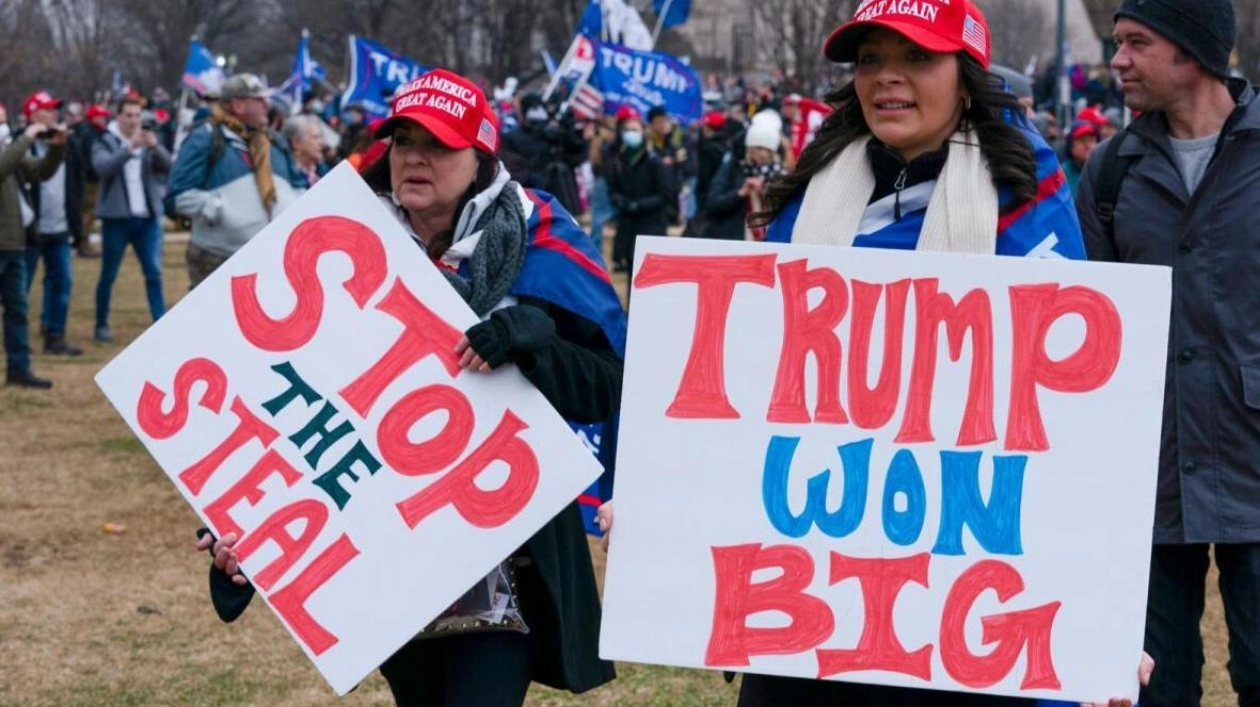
{"points": [[229, 599], [631, 208], [619, 201], [511, 334]]}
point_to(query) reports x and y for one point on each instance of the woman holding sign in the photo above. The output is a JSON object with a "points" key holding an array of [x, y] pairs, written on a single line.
{"points": [[548, 306], [925, 151]]}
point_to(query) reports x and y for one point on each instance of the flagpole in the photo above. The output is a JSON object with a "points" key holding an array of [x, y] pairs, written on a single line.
{"points": [[660, 22], [303, 54], [181, 128], [555, 80], [581, 84]]}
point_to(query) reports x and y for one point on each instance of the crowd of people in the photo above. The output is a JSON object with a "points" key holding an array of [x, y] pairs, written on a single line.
{"points": [[926, 147]]}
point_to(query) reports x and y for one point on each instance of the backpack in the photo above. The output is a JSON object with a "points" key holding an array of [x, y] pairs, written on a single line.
{"points": [[1110, 179], [218, 144]]}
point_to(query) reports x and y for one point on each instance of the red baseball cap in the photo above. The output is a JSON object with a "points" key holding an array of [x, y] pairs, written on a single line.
{"points": [[448, 105], [935, 25], [627, 113], [96, 110], [1083, 128], [714, 120], [1091, 115], [39, 101]]}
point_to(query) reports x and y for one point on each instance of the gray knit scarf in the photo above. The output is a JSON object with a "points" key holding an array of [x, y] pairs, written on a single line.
{"points": [[497, 260]]}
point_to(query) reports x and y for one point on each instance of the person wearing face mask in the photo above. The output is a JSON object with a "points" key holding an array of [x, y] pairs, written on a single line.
{"points": [[739, 186], [548, 307], [639, 186], [232, 176]]}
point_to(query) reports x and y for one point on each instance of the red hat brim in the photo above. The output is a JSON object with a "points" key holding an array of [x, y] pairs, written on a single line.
{"points": [[842, 45], [444, 133]]}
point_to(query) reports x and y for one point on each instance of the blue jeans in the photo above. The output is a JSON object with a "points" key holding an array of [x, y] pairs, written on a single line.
{"points": [[689, 198], [602, 209], [145, 237], [17, 344], [55, 251]]}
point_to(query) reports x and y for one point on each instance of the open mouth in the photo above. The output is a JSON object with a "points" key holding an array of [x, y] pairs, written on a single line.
{"points": [[895, 105]]}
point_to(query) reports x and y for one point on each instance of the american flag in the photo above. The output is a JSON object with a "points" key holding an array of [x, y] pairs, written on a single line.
{"points": [[975, 35], [587, 102]]}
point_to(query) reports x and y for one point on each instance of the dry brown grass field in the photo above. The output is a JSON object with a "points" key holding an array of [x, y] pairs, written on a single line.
{"points": [[94, 619]]}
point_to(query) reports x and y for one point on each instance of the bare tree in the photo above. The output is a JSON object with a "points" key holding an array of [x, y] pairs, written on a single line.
{"points": [[28, 61], [157, 34], [1019, 30], [792, 33]]}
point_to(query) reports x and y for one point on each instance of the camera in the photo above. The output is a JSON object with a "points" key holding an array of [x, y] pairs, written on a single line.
{"points": [[47, 134], [148, 122]]}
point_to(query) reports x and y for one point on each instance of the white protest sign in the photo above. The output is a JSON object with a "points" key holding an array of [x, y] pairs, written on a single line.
{"points": [[909, 469], [307, 396]]}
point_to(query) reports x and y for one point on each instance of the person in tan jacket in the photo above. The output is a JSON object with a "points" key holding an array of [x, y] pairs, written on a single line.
{"points": [[17, 169]]}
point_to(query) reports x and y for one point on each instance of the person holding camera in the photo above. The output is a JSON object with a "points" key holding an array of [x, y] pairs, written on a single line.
{"points": [[545, 150], [127, 158], [57, 203], [17, 219]]}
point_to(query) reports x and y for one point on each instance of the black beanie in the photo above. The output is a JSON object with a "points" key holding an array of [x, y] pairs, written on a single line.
{"points": [[1203, 28]]}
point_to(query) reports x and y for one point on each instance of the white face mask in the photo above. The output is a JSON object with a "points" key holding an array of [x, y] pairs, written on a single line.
{"points": [[632, 139], [4, 134]]}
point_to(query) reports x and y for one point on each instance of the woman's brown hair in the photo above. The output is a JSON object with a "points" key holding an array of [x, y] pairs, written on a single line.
{"points": [[1009, 153]]}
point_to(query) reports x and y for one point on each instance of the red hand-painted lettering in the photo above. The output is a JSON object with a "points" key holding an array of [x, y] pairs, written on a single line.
{"points": [[702, 391], [809, 331], [309, 241], [872, 408], [442, 450], [732, 642], [1034, 310], [162, 425], [973, 314], [290, 602], [878, 648], [1011, 631], [249, 428], [424, 334], [458, 488]]}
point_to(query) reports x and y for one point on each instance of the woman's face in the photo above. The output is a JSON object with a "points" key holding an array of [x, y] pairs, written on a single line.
{"points": [[310, 144], [427, 176], [912, 98], [760, 155]]}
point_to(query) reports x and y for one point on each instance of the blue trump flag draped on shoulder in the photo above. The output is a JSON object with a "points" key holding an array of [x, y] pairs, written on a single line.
{"points": [[563, 266], [643, 80], [202, 72], [375, 73]]}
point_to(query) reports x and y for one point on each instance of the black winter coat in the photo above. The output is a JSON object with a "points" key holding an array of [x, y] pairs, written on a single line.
{"points": [[76, 184], [580, 375], [726, 210], [640, 186], [1209, 478]]}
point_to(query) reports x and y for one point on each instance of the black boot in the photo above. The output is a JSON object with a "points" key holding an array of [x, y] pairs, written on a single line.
{"points": [[26, 379], [57, 345]]}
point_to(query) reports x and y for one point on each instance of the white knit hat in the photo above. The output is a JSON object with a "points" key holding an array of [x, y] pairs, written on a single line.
{"points": [[764, 133]]}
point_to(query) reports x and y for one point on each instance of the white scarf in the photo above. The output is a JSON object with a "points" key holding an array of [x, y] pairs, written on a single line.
{"points": [[962, 216]]}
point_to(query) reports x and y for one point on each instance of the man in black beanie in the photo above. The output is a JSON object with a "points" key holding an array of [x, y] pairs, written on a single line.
{"points": [[1188, 176]]}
